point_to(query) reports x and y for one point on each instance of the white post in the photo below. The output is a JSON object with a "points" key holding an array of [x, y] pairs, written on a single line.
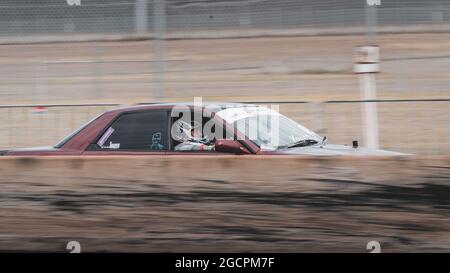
{"points": [[367, 64], [370, 112], [140, 16]]}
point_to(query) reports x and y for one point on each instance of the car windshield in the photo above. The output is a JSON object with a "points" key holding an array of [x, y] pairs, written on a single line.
{"points": [[269, 129]]}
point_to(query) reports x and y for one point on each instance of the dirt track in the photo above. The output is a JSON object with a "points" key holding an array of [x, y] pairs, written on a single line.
{"points": [[161, 204]]}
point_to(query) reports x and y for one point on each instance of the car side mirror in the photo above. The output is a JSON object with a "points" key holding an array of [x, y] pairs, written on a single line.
{"points": [[230, 146]]}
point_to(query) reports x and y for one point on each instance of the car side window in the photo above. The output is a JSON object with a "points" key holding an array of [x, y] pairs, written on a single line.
{"points": [[142, 131]]}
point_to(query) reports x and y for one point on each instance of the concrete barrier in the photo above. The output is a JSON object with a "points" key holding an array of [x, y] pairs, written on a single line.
{"points": [[226, 203]]}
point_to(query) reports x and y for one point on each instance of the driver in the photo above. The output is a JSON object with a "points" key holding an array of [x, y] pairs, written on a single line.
{"points": [[191, 137]]}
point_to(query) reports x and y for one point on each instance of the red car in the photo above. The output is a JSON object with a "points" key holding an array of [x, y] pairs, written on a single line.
{"points": [[148, 130]]}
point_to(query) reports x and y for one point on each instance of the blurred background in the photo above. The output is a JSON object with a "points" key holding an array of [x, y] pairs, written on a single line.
{"points": [[62, 62]]}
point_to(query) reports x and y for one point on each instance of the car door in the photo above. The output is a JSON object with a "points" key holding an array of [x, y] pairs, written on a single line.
{"points": [[133, 133]]}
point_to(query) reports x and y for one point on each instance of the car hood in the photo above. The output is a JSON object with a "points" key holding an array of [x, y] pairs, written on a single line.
{"points": [[332, 149], [29, 151]]}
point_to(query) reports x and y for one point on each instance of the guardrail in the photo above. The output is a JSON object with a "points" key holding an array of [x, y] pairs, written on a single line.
{"points": [[419, 126]]}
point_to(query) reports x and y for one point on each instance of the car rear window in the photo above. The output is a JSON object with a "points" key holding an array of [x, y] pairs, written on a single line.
{"points": [[143, 131]]}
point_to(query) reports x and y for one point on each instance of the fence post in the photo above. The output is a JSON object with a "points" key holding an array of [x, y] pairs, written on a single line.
{"points": [[370, 112], [159, 15], [317, 108], [41, 81], [369, 66], [10, 127], [140, 17]]}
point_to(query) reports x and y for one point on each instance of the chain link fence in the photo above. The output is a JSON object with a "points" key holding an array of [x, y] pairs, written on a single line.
{"points": [[55, 17]]}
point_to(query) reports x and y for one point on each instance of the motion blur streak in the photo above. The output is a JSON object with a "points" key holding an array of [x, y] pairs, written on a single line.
{"points": [[63, 62], [284, 204]]}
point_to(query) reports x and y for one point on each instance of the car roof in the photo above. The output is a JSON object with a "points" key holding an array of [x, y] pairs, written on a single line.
{"points": [[210, 106]]}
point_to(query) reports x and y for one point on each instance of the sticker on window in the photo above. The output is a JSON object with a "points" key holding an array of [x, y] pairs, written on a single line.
{"points": [[156, 142], [113, 146], [105, 137]]}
